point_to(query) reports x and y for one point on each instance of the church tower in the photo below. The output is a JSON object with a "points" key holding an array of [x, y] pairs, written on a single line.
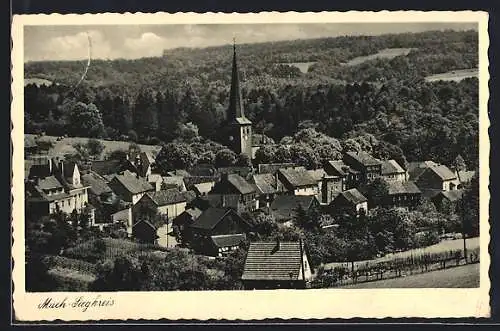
{"points": [[239, 128]]}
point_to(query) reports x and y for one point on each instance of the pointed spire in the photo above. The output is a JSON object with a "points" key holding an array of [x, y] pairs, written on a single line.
{"points": [[235, 100]]}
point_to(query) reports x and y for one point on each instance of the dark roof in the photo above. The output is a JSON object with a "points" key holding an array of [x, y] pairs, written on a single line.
{"points": [[167, 197], [39, 170], [133, 184], [242, 171], [273, 167], [189, 195], [265, 183], [354, 196], [364, 158], [340, 167], [297, 177], [415, 169], [240, 184], [192, 180], [106, 167], [391, 167], [209, 218], [98, 184], [453, 195], [265, 261], [227, 240], [283, 207], [397, 187], [443, 172], [68, 168]]}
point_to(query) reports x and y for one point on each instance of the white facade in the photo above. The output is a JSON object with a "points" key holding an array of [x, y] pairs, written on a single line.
{"points": [[311, 190]]}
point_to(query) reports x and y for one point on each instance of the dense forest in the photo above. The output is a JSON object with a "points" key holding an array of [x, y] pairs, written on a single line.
{"points": [[382, 105]]}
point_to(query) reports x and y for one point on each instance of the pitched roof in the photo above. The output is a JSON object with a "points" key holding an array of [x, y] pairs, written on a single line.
{"points": [[397, 187], [189, 195], [364, 158], [133, 184], [264, 168], [106, 167], [265, 183], [203, 188], [283, 207], [317, 174], [354, 196], [50, 182], [391, 167], [466, 176], [240, 184], [443, 172], [227, 240], [167, 197], [415, 169], [210, 218], [242, 171], [267, 261], [98, 184], [174, 180], [179, 172], [340, 167], [39, 170], [192, 180], [453, 195], [297, 177]]}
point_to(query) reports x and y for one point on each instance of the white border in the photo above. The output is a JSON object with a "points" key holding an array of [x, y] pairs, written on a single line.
{"points": [[231, 305]]}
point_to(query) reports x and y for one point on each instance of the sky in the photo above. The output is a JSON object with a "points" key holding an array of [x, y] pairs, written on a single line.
{"points": [[70, 42]]}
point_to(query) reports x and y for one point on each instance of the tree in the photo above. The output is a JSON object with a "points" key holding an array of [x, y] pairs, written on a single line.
{"points": [[308, 220], [175, 156], [95, 148], [243, 160], [84, 120], [122, 274], [376, 192], [225, 158], [37, 274]]}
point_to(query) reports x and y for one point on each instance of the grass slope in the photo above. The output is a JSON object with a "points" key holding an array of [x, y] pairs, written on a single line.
{"points": [[458, 277]]}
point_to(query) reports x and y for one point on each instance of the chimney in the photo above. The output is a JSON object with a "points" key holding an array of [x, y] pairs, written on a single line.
{"points": [[61, 166], [50, 165]]}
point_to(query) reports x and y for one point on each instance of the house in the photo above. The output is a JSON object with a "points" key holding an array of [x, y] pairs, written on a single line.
{"points": [[212, 222], [391, 170], [347, 177], [272, 168], [155, 180], [234, 191], [143, 163], [174, 182], [276, 265], [53, 187], [169, 203], [283, 207], [415, 169], [268, 186], [184, 220], [202, 185], [130, 188], [451, 198], [111, 167], [436, 179], [403, 194], [298, 181], [145, 232], [225, 243], [99, 190], [351, 200], [369, 167]]}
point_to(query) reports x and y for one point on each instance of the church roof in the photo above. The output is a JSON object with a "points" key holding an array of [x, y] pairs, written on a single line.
{"points": [[235, 111]]}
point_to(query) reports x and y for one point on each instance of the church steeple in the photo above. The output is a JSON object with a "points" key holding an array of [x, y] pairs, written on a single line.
{"points": [[235, 111]]}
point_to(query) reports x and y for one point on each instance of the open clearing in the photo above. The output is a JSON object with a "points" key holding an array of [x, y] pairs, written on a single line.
{"points": [[466, 276], [65, 145], [387, 53], [303, 66], [37, 81], [455, 75], [443, 246]]}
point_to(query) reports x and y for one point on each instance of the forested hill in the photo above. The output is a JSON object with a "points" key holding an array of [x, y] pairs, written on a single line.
{"points": [[433, 52], [381, 104]]}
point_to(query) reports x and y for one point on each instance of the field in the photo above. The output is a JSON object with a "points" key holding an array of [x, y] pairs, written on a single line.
{"points": [[65, 145], [37, 81], [443, 246], [387, 53], [466, 276], [455, 75], [303, 66]]}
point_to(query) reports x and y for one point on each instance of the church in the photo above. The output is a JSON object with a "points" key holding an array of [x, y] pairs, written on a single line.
{"points": [[237, 128]]}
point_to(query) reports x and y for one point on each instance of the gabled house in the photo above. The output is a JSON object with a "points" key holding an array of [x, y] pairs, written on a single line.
{"points": [[416, 168], [268, 186], [403, 194], [298, 181], [99, 190], [130, 188], [202, 185], [276, 265], [111, 167], [53, 187], [235, 192], [346, 176], [212, 222], [451, 198], [184, 220], [145, 232], [351, 200], [284, 207], [436, 179], [369, 167], [169, 203], [223, 244], [391, 170]]}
